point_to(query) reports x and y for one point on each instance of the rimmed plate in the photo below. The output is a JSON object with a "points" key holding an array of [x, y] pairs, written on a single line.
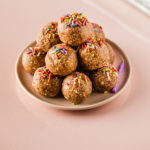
{"points": [[94, 100]]}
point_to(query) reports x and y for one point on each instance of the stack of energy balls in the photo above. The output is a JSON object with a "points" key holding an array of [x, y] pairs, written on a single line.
{"points": [[71, 56]]}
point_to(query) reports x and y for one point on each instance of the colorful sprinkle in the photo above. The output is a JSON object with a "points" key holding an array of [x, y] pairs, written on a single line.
{"points": [[74, 19], [62, 50], [93, 26], [52, 30], [77, 80], [90, 43], [45, 73]]}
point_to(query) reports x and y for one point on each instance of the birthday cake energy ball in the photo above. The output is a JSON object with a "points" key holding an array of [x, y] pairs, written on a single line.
{"points": [[74, 29], [105, 78], [61, 59], [48, 36], [46, 83], [98, 31], [93, 54], [33, 58], [76, 87]]}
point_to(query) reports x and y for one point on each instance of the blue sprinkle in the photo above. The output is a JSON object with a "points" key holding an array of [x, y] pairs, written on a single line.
{"points": [[48, 29], [74, 25], [95, 30], [58, 49], [54, 46], [66, 25]]}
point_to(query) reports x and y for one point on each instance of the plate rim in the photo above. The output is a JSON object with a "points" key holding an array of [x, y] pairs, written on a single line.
{"points": [[74, 107]]}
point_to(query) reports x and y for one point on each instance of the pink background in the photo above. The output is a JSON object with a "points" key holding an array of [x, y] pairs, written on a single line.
{"points": [[123, 124]]}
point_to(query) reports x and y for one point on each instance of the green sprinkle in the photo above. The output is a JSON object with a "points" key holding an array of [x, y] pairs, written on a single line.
{"points": [[93, 55], [75, 103], [105, 69]]}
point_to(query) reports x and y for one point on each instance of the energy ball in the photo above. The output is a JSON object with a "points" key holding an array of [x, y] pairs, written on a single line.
{"points": [[93, 54], [46, 83], [111, 53], [61, 60], [33, 58], [105, 78], [98, 31], [76, 87], [74, 29], [48, 36]]}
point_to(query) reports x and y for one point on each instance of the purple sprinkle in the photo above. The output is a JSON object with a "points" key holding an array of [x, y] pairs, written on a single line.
{"points": [[121, 67], [77, 74], [31, 74], [66, 53], [34, 52], [44, 53], [103, 72]]}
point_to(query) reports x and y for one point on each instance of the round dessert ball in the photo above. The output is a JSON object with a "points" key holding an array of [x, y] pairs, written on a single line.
{"points": [[105, 78], [98, 31], [111, 53], [61, 60], [93, 54], [33, 58], [74, 29], [46, 83], [76, 87], [48, 36]]}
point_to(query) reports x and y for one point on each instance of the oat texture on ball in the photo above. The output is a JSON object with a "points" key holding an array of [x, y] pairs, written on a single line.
{"points": [[93, 54], [74, 29], [76, 87], [98, 31], [46, 83], [48, 36], [33, 58], [105, 78], [61, 59]]}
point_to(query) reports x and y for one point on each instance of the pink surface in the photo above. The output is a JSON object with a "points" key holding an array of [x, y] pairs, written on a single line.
{"points": [[120, 125]]}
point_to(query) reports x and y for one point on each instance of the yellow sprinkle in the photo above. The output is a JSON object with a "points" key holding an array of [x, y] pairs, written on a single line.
{"points": [[92, 55], [49, 36], [105, 92]]}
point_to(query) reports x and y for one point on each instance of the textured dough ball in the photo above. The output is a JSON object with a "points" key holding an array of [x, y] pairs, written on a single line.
{"points": [[93, 54], [74, 29], [111, 53], [61, 60], [33, 58], [46, 83], [76, 87], [98, 31], [105, 78], [48, 36]]}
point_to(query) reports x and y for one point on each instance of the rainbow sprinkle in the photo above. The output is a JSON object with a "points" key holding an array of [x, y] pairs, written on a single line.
{"points": [[107, 70], [53, 32], [77, 80], [45, 73], [93, 26], [34, 51], [90, 43], [62, 50], [74, 19]]}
